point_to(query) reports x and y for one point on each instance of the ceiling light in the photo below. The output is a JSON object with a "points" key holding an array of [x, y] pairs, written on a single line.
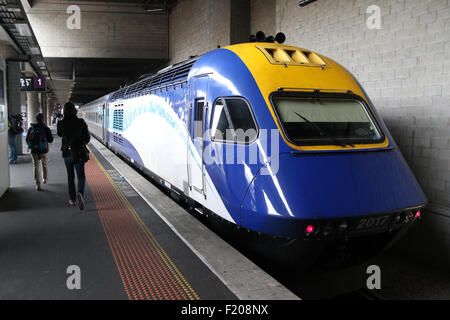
{"points": [[303, 3], [23, 29], [35, 50]]}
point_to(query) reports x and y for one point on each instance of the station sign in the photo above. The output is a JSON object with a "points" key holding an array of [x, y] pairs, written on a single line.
{"points": [[32, 84]]}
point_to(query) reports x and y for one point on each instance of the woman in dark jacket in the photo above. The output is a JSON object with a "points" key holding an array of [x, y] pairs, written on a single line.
{"points": [[75, 136]]}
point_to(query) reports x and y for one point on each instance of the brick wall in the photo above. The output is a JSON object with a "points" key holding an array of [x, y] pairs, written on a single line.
{"points": [[198, 26], [405, 68]]}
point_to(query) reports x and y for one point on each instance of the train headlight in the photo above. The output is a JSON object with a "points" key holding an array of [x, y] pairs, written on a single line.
{"points": [[343, 226], [327, 229]]}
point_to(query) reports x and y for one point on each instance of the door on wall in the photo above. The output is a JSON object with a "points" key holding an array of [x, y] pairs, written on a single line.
{"points": [[198, 109]]}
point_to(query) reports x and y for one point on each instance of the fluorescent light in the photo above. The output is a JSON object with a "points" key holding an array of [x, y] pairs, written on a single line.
{"points": [[35, 50], [23, 29], [303, 3]]}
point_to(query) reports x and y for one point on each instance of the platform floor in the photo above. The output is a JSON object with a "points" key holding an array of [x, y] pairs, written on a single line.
{"points": [[123, 248]]}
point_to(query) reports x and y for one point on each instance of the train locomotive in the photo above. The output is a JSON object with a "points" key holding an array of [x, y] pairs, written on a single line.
{"points": [[276, 140]]}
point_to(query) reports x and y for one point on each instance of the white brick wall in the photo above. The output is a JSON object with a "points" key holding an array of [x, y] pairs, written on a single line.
{"points": [[405, 68]]}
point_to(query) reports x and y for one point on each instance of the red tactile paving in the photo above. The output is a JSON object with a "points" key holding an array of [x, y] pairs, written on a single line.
{"points": [[146, 270]]}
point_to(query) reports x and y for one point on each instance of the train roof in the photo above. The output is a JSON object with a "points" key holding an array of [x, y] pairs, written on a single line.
{"points": [[274, 66], [282, 67], [171, 75]]}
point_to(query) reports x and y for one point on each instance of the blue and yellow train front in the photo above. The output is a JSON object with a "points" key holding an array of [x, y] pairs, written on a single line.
{"points": [[336, 171]]}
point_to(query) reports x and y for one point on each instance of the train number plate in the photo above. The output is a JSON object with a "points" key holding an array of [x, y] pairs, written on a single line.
{"points": [[373, 222]]}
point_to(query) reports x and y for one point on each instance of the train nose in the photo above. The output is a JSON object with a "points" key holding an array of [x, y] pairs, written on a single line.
{"points": [[328, 186]]}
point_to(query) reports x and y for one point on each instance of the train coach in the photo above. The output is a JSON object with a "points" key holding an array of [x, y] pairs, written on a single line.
{"points": [[273, 139]]}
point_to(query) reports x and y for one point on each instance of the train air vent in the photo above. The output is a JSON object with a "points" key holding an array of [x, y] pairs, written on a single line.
{"points": [[172, 75], [279, 55], [118, 139], [292, 56], [314, 58], [118, 120]]}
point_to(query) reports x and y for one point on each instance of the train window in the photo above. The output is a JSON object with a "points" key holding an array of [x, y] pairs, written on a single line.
{"points": [[220, 126], [198, 120], [326, 121], [233, 121]]}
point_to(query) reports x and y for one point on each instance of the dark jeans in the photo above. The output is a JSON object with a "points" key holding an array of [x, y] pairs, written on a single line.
{"points": [[79, 168]]}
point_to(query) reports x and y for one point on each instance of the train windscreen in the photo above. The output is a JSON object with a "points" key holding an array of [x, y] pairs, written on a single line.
{"points": [[308, 121]]}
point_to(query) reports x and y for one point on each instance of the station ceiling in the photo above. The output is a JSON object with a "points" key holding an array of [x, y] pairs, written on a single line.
{"points": [[87, 64]]}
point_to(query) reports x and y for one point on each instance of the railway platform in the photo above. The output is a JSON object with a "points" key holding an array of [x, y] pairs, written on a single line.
{"points": [[130, 242]]}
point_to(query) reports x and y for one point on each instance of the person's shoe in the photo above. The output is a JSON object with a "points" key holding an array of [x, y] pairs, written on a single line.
{"points": [[45, 181], [38, 187], [72, 203], [80, 201]]}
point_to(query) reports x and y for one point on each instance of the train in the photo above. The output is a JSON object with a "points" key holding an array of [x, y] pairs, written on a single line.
{"points": [[275, 140]]}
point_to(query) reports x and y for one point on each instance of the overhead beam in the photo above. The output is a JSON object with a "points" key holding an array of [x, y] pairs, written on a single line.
{"points": [[105, 32]]}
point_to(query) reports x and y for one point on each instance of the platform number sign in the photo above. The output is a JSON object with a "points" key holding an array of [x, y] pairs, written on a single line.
{"points": [[32, 84]]}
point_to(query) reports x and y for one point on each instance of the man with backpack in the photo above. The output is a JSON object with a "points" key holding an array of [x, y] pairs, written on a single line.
{"points": [[15, 123], [38, 138]]}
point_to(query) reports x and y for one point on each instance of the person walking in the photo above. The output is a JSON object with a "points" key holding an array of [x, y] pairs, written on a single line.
{"points": [[38, 138], [75, 136]]}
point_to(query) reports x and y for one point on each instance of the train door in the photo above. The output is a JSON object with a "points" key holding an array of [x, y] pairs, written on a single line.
{"points": [[103, 118], [198, 109], [106, 123]]}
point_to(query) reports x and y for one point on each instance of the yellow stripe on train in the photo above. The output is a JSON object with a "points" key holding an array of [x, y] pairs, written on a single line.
{"points": [[275, 66]]}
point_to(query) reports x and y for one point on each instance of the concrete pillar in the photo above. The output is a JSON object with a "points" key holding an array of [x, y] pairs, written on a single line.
{"points": [[44, 106], [50, 106], [239, 21], [23, 102], [32, 107]]}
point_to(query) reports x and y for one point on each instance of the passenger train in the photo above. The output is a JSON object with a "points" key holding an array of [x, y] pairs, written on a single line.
{"points": [[276, 140]]}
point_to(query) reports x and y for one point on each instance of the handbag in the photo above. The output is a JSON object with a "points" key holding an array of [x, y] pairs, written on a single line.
{"points": [[79, 154]]}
